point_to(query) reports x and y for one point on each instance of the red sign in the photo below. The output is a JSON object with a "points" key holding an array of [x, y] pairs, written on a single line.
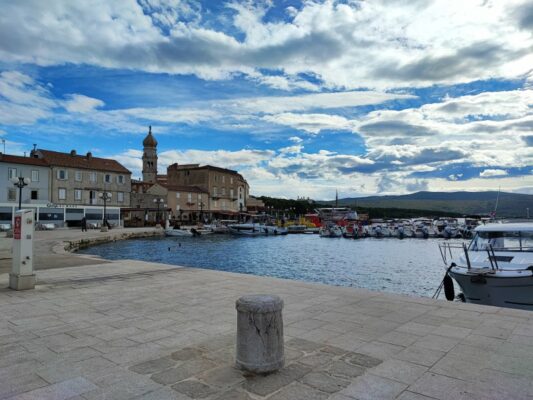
{"points": [[18, 226]]}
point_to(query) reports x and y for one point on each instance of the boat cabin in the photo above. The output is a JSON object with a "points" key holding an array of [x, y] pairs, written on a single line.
{"points": [[503, 237]]}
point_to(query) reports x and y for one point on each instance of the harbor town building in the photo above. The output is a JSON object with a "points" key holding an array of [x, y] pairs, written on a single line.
{"points": [[64, 187]]}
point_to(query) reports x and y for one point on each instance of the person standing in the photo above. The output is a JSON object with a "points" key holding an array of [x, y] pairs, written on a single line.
{"points": [[84, 224]]}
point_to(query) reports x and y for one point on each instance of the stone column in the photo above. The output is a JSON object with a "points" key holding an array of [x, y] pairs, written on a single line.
{"points": [[260, 333]]}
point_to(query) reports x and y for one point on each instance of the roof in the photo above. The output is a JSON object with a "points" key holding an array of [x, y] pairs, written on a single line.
{"points": [[178, 167], [177, 188], [22, 160], [149, 140], [87, 161], [510, 227]]}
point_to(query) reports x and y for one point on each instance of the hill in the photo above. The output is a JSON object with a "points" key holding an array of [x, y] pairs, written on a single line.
{"points": [[465, 203]]}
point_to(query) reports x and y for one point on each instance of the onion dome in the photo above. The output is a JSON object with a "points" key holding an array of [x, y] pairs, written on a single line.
{"points": [[149, 140]]}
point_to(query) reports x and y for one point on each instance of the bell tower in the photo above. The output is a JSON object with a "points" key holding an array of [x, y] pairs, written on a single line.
{"points": [[150, 158]]}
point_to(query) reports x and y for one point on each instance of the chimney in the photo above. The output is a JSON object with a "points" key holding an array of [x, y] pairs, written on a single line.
{"points": [[72, 153], [89, 155]]}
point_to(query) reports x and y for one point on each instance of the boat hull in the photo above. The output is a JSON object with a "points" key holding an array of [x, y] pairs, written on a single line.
{"points": [[494, 290]]}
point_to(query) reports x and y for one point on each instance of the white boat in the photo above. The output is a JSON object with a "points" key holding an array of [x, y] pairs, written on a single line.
{"points": [[276, 230], [297, 228], [330, 231], [496, 268], [187, 232], [248, 229]]}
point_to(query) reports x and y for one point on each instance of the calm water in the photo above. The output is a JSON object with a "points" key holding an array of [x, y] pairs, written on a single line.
{"points": [[410, 266]]}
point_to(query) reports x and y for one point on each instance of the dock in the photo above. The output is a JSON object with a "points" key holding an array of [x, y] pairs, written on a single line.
{"points": [[137, 330]]}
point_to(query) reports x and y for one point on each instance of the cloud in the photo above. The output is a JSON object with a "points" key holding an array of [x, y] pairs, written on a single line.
{"points": [[311, 123], [490, 173], [79, 103], [379, 44]]}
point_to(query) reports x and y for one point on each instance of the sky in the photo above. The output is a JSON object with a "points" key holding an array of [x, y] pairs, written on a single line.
{"points": [[304, 98]]}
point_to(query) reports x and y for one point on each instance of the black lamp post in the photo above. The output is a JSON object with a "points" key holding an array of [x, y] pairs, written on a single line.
{"points": [[158, 201], [201, 210], [105, 196], [20, 182]]}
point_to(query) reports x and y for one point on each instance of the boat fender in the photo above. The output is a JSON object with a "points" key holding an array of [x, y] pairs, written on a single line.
{"points": [[449, 291], [461, 297]]}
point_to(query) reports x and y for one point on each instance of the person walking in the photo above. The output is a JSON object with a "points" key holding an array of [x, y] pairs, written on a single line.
{"points": [[84, 224]]}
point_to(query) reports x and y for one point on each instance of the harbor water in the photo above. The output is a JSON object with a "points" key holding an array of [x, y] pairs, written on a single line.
{"points": [[408, 266]]}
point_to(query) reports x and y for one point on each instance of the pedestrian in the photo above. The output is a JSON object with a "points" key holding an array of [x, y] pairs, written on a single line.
{"points": [[84, 224]]}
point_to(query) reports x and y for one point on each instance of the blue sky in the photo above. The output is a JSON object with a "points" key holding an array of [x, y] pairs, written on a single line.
{"points": [[303, 98]]}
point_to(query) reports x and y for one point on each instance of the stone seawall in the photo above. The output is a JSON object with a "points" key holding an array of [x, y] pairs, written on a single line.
{"points": [[72, 246]]}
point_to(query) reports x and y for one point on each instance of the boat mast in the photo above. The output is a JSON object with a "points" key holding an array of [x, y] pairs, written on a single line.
{"points": [[497, 201]]}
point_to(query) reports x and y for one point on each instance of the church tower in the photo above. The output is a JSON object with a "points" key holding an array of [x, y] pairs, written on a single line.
{"points": [[150, 158]]}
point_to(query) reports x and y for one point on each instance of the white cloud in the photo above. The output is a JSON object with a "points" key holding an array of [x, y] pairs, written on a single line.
{"points": [[489, 173], [378, 44], [311, 123], [79, 103]]}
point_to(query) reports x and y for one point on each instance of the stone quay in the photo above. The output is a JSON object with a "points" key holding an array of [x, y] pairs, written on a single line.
{"points": [[96, 329]]}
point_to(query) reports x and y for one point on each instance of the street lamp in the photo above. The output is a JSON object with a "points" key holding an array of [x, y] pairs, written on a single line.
{"points": [[158, 201], [201, 210], [105, 196], [20, 182]]}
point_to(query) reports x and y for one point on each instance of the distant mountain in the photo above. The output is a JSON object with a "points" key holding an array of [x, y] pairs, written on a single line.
{"points": [[475, 203]]}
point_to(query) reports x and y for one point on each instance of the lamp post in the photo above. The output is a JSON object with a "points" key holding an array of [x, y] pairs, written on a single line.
{"points": [[20, 182], [158, 201], [201, 211], [105, 196]]}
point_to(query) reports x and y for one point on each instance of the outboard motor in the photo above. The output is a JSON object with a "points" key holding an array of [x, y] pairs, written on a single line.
{"points": [[401, 232]]}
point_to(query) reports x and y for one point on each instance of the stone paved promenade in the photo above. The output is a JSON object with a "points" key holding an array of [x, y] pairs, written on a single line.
{"points": [[135, 330]]}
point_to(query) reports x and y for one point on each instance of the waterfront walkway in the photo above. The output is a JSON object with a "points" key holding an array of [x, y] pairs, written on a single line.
{"points": [[136, 330]]}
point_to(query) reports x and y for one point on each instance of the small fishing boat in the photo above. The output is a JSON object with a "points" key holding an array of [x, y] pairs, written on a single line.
{"points": [[495, 269]]}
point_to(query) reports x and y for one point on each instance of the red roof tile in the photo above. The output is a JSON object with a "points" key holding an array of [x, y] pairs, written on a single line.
{"points": [[55, 158], [22, 160]]}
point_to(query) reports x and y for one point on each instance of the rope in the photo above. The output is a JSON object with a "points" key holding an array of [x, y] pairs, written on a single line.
{"points": [[439, 289]]}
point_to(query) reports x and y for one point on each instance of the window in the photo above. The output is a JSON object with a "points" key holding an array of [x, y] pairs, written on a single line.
{"points": [[223, 178], [11, 194], [199, 197], [223, 204], [189, 197], [231, 180], [107, 178], [231, 193], [177, 195], [92, 176], [120, 197], [214, 191], [77, 176], [62, 174], [120, 179], [215, 203], [77, 194], [223, 191], [11, 173], [62, 193], [35, 176], [34, 194]]}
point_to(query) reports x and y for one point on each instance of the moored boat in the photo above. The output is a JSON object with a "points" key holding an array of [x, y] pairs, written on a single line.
{"points": [[496, 268]]}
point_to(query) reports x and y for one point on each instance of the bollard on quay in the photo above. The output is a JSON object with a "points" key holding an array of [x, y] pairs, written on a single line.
{"points": [[260, 333]]}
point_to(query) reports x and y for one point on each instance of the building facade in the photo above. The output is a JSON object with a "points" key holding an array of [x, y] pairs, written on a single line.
{"points": [[187, 203], [80, 179], [226, 189]]}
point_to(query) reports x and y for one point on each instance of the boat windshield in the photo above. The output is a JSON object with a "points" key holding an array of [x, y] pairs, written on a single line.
{"points": [[502, 241]]}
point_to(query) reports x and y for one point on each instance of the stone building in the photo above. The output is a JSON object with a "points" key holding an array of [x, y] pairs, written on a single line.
{"points": [[188, 203], [227, 190], [148, 204]]}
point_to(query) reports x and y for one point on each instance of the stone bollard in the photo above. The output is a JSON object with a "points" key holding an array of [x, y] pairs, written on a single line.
{"points": [[260, 333]]}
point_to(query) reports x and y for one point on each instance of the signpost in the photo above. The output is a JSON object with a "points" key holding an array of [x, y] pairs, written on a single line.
{"points": [[22, 276]]}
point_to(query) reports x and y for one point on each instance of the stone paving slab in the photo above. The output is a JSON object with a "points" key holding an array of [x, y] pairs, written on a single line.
{"points": [[136, 330]]}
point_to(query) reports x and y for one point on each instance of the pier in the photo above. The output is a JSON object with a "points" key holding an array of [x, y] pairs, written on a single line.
{"points": [[137, 330]]}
